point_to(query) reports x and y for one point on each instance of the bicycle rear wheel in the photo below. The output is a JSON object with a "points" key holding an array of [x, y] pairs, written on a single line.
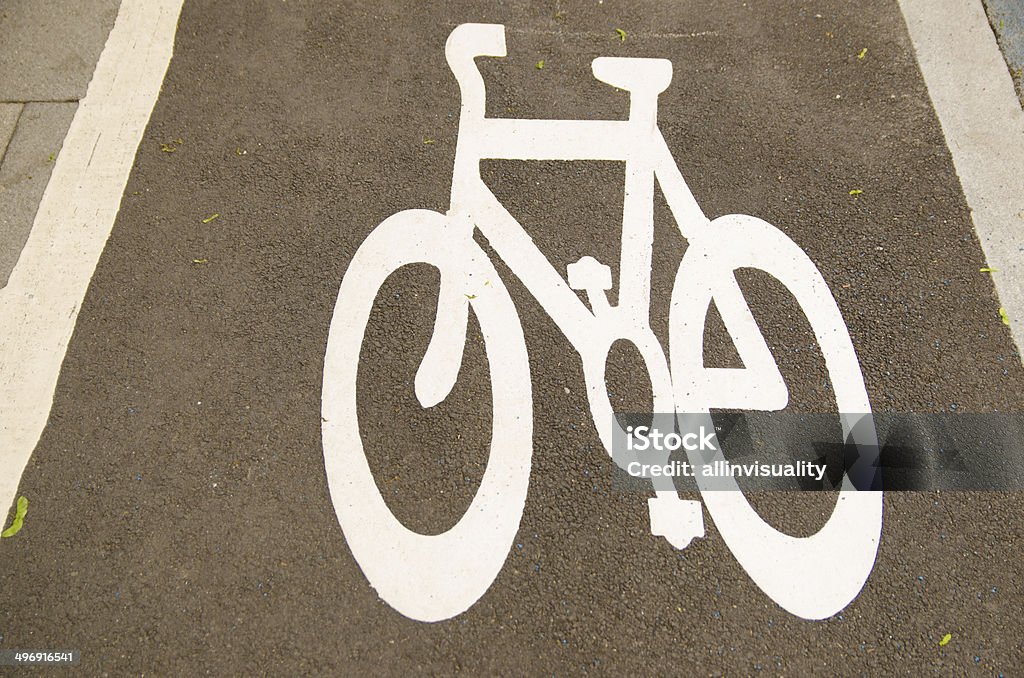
{"points": [[428, 577], [816, 576]]}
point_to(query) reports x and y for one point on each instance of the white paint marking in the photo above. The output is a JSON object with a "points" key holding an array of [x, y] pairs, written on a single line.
{"points": [[434, 577], [981, 117], [39, 306]]}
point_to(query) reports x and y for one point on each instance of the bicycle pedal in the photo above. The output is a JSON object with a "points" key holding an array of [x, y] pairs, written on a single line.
{"points": [[679, 521]]}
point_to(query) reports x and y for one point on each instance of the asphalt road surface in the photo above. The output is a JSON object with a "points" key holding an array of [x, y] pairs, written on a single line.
{"points": [[180, 518]]}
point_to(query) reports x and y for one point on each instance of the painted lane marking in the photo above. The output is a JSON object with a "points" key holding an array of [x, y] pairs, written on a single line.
{"points": [[981, 117], [40, 304]]}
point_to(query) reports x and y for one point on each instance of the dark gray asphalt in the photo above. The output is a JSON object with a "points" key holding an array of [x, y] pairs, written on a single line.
{"points": [[180, 521]]}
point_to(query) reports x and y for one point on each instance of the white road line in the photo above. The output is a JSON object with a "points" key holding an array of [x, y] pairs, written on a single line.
{"points": [[981, 117], [39, 306]]}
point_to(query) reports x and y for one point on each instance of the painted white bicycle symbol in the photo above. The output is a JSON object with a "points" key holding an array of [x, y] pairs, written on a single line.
{"points": [[434, 577]]}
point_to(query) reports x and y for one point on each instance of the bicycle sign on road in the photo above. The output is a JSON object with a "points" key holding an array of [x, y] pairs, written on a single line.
{"points": [[435, 577]]}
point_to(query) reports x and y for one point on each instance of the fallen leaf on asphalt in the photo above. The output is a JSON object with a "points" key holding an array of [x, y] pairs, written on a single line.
{"points": [[199, 261], [856, 191], [863, 53], [540, 64], [428, 140], [172, 146], [622, 34], [988, 270], [210, 218], [19, 518], [945, 640], [1005, 318]]}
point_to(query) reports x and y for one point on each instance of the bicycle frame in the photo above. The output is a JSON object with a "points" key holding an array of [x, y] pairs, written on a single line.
{"points": [[638, 143], [473, 202]]}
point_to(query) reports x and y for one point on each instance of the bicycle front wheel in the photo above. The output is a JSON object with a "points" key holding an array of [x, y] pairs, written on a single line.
{"points": [[428, 577], [816, 576]]}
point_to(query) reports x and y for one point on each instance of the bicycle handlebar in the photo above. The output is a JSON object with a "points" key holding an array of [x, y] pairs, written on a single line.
{"points": [[466, 43], [469, 41], [644, 79]]}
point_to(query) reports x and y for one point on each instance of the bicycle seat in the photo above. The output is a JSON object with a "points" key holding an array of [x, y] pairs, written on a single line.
{"points": [[644, 76]]}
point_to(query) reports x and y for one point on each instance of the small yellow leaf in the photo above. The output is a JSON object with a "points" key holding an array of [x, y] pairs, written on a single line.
{"points": [[471, 296], [167, 148], [19, 518], [428, 141], [856, 191], [199, 261], [622, 34], [1005, 318], [863, 53], [945, 640], [540, 64], [989, 270], [210, 218]]}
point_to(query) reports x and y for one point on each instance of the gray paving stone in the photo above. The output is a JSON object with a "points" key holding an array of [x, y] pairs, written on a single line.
{"points": [[1007, 20], [48, 48], [25, 171]]}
